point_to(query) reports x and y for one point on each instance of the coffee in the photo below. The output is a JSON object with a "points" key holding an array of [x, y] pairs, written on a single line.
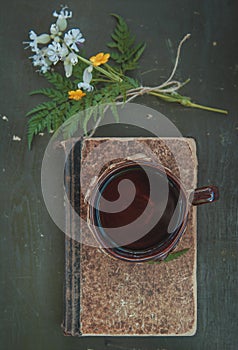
{"points": [[147, 220]]}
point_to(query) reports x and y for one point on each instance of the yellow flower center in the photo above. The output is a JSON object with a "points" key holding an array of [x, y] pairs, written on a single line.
{"points": [[99, 59], [76, 94]]}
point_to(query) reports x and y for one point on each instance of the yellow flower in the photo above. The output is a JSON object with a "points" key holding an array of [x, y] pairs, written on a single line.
{"points": [[99, 59], [76, 94]]}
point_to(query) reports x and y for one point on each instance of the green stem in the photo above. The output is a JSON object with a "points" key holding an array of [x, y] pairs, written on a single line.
{"points": [[187, 103], [102, 81], [164, 97], [109, 75], [206, 108], [103, 71], [112, 70]]}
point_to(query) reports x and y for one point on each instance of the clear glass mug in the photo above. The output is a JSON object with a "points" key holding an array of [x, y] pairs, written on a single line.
{"points": [[133, 223]]}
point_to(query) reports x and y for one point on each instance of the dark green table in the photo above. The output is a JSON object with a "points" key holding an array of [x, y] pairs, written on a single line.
{"points": [[32, 247]]}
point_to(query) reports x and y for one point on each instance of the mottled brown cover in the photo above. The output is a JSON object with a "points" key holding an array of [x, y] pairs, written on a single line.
{"points": [[104, 296]]}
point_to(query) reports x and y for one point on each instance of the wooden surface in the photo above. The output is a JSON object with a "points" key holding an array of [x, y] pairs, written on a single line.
{"points": [[32, 247]]}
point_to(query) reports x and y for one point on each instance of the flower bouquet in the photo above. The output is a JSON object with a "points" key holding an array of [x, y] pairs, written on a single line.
{"points": [[83, 82]]}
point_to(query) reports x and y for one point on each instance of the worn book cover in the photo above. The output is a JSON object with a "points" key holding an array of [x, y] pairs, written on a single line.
{"points": [[104, 296]]}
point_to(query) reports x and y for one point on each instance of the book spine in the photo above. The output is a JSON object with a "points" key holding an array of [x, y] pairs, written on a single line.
{"points": [[71, 317]]}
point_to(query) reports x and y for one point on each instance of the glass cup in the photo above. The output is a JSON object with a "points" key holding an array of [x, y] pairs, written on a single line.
{"points": [[138, 210]]}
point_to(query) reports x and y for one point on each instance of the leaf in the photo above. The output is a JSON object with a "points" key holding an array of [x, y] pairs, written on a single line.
{"points": [[125, 53], [45, 105], [117, 57], [133, 82], [72, 109], [171, 256], [35, 125], [172, 97], [54, 94], [139, 51], [50, 117], [112, 45], [61, 83], [78, 70]]}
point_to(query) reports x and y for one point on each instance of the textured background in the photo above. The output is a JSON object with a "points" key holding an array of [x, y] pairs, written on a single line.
{"points": [[32, 248]]}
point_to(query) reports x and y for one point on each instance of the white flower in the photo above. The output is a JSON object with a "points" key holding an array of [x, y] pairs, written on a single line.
{"points": [[69, 62], [55, 32], [62, 16], [54, 29], [35, 40], [56, 52], [33, 43], [63, 13], [87, 77], [40, 60], [72, 38]]}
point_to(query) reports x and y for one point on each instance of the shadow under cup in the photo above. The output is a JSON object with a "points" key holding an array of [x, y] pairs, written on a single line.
{"points": [[138, 211]]}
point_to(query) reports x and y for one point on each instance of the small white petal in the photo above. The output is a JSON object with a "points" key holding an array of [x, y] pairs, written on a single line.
{"points": [[73, 58], [43, 39], [61, 23], [74, 47], [66, 14], [64, 51], [81, 85], [68, 67], [75, 32], [16, 138], [85, 86], [63, 13], [32, 44], [54, 29], [32, 35], [87, 76], [44, 69]]}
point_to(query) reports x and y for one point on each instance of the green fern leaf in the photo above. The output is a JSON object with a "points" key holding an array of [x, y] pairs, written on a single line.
{"points": [[117, 58], [132, 83], [78, 70], [112, 45], [54, 94], [35, 125], [125, 53], [59, 82], [73, 109], [45, 105], [136, 53], [171, 256], [49, 118]]}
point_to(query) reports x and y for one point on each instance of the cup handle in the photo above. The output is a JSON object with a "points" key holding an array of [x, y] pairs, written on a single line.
{"points": [[203, 195]]}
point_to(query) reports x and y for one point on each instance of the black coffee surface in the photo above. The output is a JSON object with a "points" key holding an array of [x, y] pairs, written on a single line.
{"points": [[152, 192]]}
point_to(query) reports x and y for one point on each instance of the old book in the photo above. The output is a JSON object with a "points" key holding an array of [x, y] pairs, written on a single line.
{"points": [[104, 296]]}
